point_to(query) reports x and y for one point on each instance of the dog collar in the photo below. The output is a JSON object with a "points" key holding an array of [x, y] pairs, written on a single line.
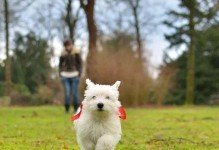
{"points": [[121, 113], [76, 116]]}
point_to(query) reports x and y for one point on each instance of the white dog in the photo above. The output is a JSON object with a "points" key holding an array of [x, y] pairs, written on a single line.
{"points": [[97, 123]]}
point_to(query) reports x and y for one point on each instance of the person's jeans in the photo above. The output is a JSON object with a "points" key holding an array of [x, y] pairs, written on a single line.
{"points": [[71, 89]]}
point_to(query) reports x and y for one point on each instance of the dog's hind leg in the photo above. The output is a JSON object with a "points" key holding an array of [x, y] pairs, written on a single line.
{"points": [[107, 142]]}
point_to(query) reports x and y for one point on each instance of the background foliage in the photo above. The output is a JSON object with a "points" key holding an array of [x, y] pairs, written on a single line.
{"points": [[114, 46]]}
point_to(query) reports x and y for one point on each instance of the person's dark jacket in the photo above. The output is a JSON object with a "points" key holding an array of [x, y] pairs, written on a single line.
{"points": [[70, 61]]}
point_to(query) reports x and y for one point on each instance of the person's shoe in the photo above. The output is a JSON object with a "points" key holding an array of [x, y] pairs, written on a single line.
{"points": [[75, 108], [67, 108]]}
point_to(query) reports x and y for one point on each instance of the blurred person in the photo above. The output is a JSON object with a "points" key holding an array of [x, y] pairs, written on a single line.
{"points": [[70, 68]]}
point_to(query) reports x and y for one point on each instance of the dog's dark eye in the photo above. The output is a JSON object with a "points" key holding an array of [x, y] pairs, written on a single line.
{"points": [[93, 97], [107, 97]]}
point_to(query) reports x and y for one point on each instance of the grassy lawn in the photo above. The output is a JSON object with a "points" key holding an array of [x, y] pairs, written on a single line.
{"points": [[49, 128]]}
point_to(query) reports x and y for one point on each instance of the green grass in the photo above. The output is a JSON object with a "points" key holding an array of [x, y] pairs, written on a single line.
{"points": [[49, 128]]}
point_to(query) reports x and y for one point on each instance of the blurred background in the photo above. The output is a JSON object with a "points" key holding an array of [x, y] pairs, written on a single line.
{"points": [[165, 52]]}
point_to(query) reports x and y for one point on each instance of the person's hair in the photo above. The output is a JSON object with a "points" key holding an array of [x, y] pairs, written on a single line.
{"points": [[67, 42]]}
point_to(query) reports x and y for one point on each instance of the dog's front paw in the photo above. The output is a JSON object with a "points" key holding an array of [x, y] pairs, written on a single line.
{"points": [[87, 146], [106, 142]]}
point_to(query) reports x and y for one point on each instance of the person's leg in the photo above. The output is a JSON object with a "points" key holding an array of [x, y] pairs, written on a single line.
{"points": [[66, 85], [75, 92]]}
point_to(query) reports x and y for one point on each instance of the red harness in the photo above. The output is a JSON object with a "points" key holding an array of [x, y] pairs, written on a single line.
{"points": [[121, 113]]}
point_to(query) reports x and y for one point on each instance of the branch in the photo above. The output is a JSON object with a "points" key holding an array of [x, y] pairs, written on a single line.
{"points": [[25, 6], [76, 17], [134, 6], [83, 5]]}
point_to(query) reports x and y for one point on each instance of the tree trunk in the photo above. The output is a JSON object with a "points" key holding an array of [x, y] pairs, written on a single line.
{"points": [[134, 5], [92, 30], [191, 59], [7, 62], [92, 42], [138, 34], [71, 20], [68, 19]]}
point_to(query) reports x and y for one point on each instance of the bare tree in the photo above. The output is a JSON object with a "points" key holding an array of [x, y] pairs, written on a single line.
{"points": [[44, 22], [88, 7], [71, 19], [12, 17], [137, 17], [135, 5], [7, 63], [65, 12], [142, 21]]}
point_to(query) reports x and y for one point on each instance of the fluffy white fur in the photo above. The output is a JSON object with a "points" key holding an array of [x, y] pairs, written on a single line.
{"points": [[95, 129]]}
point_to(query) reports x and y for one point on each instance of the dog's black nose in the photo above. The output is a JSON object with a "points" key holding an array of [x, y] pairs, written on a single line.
{"points": [[100, 105]]}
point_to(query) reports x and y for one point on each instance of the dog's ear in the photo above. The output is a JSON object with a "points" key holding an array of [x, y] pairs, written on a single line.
{"points": [[89, 83], [116, 85]]}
